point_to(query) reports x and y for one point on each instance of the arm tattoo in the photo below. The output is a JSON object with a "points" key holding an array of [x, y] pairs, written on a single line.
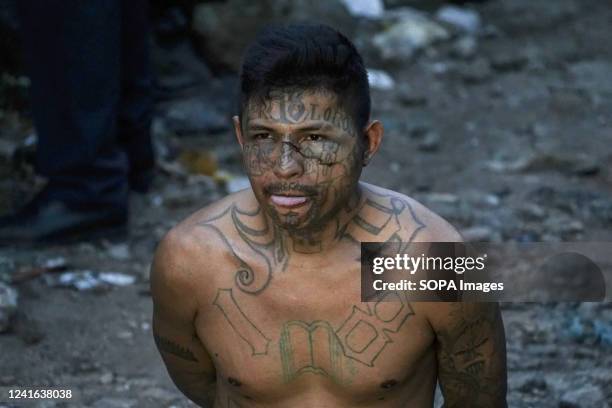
{"points": [[171, 347], [472, 360]]}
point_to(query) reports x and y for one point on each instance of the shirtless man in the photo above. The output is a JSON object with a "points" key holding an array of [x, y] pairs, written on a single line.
{"points": [[257, 296]]}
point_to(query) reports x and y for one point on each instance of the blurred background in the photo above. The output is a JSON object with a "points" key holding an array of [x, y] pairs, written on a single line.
{"points": [[497, 117]]}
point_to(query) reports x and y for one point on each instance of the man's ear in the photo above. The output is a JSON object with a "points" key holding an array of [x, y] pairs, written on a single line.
{"points": [[238, 130], [373, 135]]}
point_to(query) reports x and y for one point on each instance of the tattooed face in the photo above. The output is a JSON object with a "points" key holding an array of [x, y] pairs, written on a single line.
{"points": [[302, 156]]}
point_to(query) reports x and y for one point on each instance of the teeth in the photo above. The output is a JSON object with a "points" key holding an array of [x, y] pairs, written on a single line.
{"points": [[287, 201]]}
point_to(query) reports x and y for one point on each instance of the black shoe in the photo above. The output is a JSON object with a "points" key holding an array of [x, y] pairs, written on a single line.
{"points": [[48, 221]]}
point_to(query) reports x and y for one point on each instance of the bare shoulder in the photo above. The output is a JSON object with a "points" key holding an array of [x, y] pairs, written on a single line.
{"points": [[188, 254], [414, 215], [420, 224]]}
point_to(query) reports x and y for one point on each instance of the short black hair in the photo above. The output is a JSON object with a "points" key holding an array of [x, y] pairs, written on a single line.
{"points": [[303, 57]]}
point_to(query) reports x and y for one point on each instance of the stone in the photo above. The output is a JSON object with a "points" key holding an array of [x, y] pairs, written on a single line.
{"points": [[533, 385], [444, 198], [460, 18], [419, 130], [465, 47], [365, 8], [531, 212], [408, 96], [508, 61], [55, 264], [572, 163], [603, 332], [116, 278], [586, 396], [539, 130], [80, 279], [8, 380], [8, 306], [568, 101], [430, 143], [477, 233], [381, 80], [223, 49], [125, 335], [28, 329], [475, 72], [106, 378], [525, 15], [410, 32], [563, 226], [441, 68], [7, 269], [119, 252], [395, 167], [593, 76], [160, 395]]}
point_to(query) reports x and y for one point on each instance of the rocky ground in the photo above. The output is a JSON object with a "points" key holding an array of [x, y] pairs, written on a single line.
{"points": [[499, 120]]}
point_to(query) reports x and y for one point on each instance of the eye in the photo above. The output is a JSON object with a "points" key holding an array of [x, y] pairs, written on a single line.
{"points": [[313, 137], [261, 136]]}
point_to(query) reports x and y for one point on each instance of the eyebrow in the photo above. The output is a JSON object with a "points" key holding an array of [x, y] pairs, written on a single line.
{"points": [[256, 128], [315, 126]]}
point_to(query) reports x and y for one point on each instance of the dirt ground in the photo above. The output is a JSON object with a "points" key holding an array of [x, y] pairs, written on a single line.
{"points": [[511, 143]]}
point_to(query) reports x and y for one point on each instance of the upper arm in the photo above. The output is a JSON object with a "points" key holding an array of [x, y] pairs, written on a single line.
{"points": [[175, 307], [471, 353]]}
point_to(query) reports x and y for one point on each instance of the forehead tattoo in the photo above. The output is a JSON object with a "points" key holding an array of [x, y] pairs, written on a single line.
{"points": [[296, 107]]}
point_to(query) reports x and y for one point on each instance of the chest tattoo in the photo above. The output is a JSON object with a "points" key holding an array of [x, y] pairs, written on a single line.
{"points": [[319, 347]]}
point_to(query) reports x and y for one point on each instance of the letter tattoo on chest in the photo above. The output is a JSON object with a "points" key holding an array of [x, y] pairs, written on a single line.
{"points": [[318, 347], [254, 338]]}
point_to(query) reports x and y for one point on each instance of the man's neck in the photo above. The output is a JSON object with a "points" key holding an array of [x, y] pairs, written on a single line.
{"points": [[327, 236]]}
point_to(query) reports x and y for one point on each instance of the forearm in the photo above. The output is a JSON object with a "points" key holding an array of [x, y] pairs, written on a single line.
{"points": [[175, 309], [187, 371], [464, 392], [472, 358]]}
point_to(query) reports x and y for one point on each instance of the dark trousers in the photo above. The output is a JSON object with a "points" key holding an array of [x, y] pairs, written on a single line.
{"points": [[90, 91]]}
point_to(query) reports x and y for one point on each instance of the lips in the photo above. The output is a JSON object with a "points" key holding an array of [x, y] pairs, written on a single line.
{"points": [[288, 201]]}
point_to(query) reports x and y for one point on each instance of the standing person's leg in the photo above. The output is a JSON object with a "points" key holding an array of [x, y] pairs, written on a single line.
{"points": [[72, 49], [135, 108]]}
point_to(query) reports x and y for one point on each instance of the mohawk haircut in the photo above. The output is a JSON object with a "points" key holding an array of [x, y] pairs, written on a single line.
{"points": [[306, 57]]}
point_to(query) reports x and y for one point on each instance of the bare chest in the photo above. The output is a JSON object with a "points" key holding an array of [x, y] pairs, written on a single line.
{"points": [[313, 332]]}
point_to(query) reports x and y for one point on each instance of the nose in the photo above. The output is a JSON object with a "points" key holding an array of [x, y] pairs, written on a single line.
{"points": [[288, 164]]}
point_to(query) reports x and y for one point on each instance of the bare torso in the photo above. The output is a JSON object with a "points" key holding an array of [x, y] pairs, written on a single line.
{"points": [[286, 328]]}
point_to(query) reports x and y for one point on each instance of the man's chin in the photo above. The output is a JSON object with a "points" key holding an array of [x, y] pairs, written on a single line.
{"points": [[290, 221]]}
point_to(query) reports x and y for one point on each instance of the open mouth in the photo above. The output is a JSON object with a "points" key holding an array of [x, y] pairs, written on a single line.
{"points": [[288, 201], [290, 194]]}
